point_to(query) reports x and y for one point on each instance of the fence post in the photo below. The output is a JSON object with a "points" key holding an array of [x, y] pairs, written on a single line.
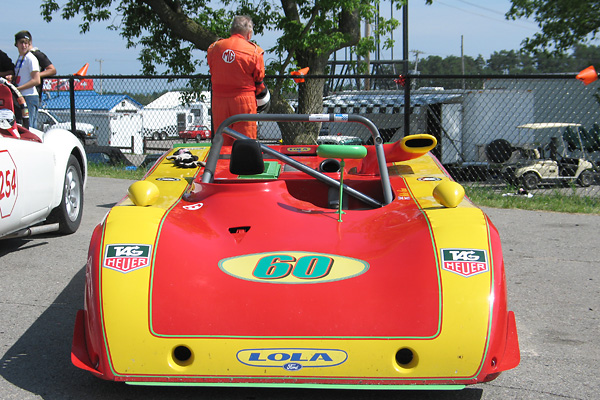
{"points": [[407, 82], [72, 98]]}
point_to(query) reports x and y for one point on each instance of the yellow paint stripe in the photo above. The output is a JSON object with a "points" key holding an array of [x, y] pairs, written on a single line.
{"points": [[455, 354]]}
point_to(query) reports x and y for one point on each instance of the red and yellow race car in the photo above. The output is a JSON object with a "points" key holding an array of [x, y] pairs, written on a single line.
{"points": [[299, 266]]}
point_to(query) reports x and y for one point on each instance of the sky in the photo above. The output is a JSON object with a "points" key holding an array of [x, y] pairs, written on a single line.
{"points": [[433, 30]]}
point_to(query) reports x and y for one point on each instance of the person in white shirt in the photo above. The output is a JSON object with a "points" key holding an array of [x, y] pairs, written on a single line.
{"points": [[27, 75]]}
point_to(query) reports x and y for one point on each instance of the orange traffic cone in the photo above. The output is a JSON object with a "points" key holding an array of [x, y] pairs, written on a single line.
{"points": [[83, 70], [588, 75], [300, 72]]}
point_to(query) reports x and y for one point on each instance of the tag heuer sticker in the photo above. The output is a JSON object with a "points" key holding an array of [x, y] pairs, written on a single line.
{"points": [[465, 262], [127, 257]]}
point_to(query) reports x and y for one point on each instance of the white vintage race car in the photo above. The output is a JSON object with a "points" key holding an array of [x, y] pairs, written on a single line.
{"points": [[42, 174]]}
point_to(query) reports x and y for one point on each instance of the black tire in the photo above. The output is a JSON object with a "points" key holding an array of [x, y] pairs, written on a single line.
{"points": [[197, 138], [155, 136], [68, 214], [163, 136], [586, 178], [530, 180], [499, 151]]}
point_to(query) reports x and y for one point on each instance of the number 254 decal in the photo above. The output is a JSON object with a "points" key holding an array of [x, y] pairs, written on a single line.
{"points": [[8, 184], [293, 267]]}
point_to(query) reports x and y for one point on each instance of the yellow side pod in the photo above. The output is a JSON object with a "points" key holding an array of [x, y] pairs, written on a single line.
{"points": [[449, 194], [143, 193]]}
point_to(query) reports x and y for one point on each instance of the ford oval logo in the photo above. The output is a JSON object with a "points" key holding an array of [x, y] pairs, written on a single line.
{"points": [[292, 367], [293, 267]]}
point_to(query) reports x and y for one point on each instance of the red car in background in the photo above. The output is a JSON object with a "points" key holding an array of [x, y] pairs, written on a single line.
{"points": [[197, 133]]}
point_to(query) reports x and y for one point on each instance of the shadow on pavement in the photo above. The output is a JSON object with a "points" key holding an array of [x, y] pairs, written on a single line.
{"points": [[11, 245], [39, 362]]}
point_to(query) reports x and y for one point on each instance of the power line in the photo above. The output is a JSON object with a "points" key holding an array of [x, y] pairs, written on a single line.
{"points": [[481, 7], [511, 23]]}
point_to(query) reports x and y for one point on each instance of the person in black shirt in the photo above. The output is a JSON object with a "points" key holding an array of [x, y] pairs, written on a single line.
{"points": [[7, 68], [46, 67]]}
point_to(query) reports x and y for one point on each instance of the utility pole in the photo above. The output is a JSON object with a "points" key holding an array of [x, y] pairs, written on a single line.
{"points": [[462, 58], [416, 53], [368, 56], [100, 61]]}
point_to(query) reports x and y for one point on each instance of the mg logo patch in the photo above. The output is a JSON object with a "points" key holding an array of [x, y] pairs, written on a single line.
{"points": [[228, 56], [127, 257], [465, 262]]}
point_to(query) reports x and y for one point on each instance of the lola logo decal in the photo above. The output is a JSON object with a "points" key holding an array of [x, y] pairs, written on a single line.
{"points": [[293, 267], [292, 359], [298, 149], [465, 262], [127, 257]]}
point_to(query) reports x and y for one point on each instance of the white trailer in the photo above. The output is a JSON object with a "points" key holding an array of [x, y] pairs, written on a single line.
{"points": [[126, 132], [170, 113], [163, 118]]}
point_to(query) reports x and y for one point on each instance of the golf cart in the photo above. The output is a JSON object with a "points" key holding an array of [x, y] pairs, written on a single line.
{"points": [[547, 162]]}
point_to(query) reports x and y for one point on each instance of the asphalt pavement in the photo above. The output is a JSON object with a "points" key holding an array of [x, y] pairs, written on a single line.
{"points": [[551, 265]]}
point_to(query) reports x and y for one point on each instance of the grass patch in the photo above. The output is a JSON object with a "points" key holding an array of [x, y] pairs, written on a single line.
{"points": [[117, 172], [553, 201], [482, 196]]}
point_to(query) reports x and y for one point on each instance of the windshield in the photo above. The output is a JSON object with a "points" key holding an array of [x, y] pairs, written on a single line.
{"points": [[45, 118]]}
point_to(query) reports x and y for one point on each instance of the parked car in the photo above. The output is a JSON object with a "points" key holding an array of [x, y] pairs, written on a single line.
{"points": [[196, 132], [85, 132], [339, 139], [108, 155], [254, 270], [325, 137], [42, 175]]}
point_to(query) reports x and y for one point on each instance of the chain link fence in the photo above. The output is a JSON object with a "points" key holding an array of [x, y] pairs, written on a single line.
{"points": [[535, 133]]}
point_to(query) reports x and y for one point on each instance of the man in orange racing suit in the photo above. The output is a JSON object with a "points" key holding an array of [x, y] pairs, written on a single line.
{"points": [[237, 71]]}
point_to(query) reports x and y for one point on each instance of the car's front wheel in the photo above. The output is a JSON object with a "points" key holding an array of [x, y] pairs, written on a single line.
{"points": [[68, 213], [530, 180], [586, 178]]}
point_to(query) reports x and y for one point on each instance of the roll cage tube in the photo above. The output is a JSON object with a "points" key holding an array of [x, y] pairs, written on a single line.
{"points": [[213, 155]]}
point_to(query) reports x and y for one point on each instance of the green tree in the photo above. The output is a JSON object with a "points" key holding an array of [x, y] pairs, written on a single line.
{"points": [[510, 62], [563, 23], [451, 65], [168, 31], [584, 56]]}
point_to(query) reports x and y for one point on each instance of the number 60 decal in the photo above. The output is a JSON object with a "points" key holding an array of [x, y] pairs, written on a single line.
{"points": [[306, 267], [293, 267]]}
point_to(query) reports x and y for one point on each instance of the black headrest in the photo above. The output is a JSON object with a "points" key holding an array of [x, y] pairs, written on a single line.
{"points": [[246, 158]]}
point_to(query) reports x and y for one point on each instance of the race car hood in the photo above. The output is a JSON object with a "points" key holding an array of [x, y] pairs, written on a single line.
{"points": [[214, 273]]}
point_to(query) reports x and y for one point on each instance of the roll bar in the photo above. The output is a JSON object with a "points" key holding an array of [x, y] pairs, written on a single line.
{"points": [[217, 144]]}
